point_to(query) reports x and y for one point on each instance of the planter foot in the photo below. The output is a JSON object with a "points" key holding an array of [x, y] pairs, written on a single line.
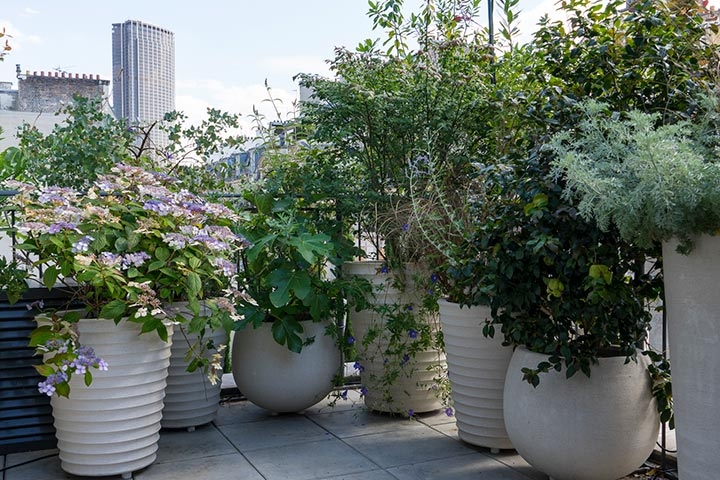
{"points": [[127, 476], [190, 429], [496, 451]]}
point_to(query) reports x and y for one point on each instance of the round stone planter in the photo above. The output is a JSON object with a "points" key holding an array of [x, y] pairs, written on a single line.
{"points": [[190, 399], [274, 378], [692, 297], [600, 427], [111, 427], [476, 367], [413, 389]]}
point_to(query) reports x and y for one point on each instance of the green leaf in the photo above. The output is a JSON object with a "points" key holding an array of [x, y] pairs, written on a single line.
{"points": [[156, 265], [194, 284], [88, 378], [286, 332], [62, 389], [162, 254], [50, 276], [44, 370], [113, 310], [312, 247]]}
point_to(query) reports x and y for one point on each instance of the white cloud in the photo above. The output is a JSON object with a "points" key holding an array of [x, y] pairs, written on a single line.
{"points": [[194, 97], [16, 38], [28, 12]]}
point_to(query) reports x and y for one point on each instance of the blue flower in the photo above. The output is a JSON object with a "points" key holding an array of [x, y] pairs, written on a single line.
{"points": [[344, 395], [384, 269], [412, 333], [351, 340], [449, 412], [411, 412], [434, 277], [357, 366], [363, 391]]}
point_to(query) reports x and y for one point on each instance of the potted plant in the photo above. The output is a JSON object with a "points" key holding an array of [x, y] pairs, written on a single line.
{"points": [[132, 243], [286, 353], [657, 183], [561, 288]]}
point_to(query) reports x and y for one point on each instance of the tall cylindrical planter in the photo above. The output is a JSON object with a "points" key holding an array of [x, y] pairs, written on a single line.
{"points": [[600, 427], [191, 399], [477, 366], [112, 427], [413, 388], [272, 377], [692, 302]]}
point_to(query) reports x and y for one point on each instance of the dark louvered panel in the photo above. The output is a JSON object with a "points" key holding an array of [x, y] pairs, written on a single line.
{"points": [[25, 414]]}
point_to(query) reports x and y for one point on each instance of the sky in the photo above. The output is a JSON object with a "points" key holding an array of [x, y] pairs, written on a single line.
{"points": [[225, 50]]}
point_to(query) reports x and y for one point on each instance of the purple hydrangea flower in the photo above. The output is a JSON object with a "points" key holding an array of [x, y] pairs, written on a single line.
{"points": [[135, 259], [60, 226], [157, 206], [449, 412], [175, 240], [82, 245]]}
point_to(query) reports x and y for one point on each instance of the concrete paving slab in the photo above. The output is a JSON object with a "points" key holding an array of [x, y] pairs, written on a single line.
{"points": [[204, 442], [219, 467], [404, 447], [310, 460], [42, 469], [351, 423], [239, 411], [372, 475], [279, 431], [449, 429], [463, 467]]}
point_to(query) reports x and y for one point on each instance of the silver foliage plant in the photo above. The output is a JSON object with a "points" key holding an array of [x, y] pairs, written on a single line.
{"points": [[654, 182]]}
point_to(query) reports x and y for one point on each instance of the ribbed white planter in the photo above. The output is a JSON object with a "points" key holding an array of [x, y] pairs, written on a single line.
{"points": [[600, 427], [476, 367], [413, 389], [272, 377], [692, 297], [190, 399], [111, 427]]}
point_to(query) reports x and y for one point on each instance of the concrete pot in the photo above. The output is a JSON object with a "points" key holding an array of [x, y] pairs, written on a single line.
{"points": [[273, 377], [190, 399], [600, 427], [111, 427], [692, 297], [476, 367], [413, 388]]}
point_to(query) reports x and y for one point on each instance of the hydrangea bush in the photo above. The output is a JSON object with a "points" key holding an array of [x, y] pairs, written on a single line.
{"points": [[133, 243]]}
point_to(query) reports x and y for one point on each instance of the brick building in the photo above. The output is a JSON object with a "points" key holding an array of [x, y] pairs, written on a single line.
{"points": [[40, 95]]}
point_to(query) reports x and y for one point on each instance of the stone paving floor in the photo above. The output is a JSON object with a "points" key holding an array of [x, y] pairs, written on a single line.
{"points": [[342, 442]]}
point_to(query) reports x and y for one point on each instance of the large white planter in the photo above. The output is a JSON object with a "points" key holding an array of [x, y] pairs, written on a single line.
{"points": [[477, 366], [692, 298], [111, 427], [600, 427], [413, 389], [190, 399], [271, 376]]}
